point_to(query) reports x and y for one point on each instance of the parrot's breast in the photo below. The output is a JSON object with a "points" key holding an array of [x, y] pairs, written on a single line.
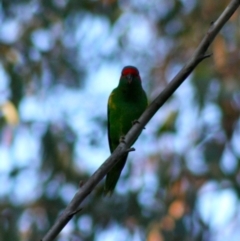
{"points": [[122, 112]]}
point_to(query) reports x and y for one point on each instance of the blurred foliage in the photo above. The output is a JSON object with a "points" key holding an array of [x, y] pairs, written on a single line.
{"points": [[52, 44]]}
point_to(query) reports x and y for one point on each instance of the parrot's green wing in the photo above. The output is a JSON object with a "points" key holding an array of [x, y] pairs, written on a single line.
{"points": [[108, 124], [114, 174]]}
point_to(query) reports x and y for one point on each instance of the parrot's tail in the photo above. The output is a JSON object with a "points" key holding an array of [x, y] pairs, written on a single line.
{"points": [[113, 176]]}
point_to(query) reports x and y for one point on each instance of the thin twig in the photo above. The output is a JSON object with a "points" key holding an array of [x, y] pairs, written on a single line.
{"points": [[75, 212], [130, 149], [135, 131]]}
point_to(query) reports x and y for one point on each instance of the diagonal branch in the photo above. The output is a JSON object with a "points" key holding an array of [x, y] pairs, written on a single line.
{"points": [[198, 56]]}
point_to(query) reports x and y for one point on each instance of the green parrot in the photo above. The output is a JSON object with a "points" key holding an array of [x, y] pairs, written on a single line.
{"points": [[126, 103]]}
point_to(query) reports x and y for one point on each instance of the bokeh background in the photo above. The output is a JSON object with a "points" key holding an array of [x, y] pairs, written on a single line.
{"points": [[59, 61]]}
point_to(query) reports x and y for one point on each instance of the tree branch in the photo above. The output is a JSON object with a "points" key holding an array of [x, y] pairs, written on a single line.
{"points": [[135, 131]]}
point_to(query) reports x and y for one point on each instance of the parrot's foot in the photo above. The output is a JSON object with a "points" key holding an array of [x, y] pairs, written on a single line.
{"points": [[122, 139], [81, 183], [136, 122]]}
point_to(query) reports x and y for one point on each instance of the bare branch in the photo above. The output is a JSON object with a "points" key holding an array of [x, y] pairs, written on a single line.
{"points": [[198, 56]]}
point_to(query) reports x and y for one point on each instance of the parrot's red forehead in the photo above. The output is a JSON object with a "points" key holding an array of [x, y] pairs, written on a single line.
{"points": [[130, 70]]}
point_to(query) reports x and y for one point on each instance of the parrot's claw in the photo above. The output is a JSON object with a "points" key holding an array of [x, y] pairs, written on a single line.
{"points": [[136, 122], [122, 139], [81, 183]]}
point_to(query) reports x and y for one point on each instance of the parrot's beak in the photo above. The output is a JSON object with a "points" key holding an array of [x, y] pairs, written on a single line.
{"points": [[129, 78]]}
